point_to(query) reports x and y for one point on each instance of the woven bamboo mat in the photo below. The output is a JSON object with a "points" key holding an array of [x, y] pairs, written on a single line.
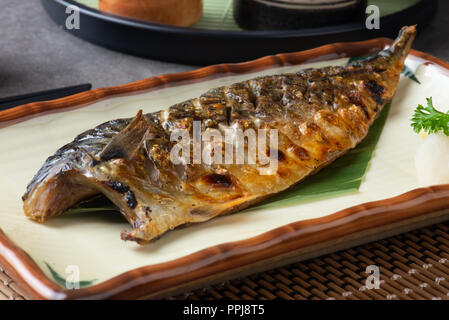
{"points": [[413, 265]]}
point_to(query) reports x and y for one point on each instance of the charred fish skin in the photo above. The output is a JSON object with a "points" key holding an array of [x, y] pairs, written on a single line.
{"points": [[320, 114]]}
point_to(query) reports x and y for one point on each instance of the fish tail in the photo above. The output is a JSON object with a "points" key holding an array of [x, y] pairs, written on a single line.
{"points": [[403, 43]]}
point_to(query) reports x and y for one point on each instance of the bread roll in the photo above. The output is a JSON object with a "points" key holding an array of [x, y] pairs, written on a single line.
{"points": [[182, 13]]}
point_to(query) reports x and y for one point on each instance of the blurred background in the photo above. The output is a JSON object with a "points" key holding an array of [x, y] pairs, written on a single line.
{"points": [[36, 54]]}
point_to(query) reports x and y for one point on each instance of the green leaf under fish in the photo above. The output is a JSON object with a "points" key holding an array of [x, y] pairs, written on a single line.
{"points": [[406, 71]]}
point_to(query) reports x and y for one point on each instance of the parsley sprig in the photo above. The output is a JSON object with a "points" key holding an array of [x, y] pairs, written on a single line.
{"points": [[430, 119]]}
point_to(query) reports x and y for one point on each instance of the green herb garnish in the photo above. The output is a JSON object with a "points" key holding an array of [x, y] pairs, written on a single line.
{"points": [[430, 119]]}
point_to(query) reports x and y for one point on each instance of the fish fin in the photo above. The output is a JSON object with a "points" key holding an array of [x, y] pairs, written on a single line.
{"points": [[125, 144], [403, 43], [197, 215]]}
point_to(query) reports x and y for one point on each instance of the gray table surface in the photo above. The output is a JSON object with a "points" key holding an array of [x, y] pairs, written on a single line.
{"points": [[37, 55]]}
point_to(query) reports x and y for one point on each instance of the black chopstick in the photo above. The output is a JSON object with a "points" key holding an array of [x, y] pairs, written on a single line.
{"points": [[11, 102]]}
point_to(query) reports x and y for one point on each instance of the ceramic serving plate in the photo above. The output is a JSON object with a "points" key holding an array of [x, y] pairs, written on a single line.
{"points": [[41, 257]]}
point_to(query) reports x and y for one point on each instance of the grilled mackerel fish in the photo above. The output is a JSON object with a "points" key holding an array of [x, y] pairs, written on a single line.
{"points": [[319, 113]]}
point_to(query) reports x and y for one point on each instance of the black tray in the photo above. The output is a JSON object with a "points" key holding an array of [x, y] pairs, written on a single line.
{"points": [[202, 47]]}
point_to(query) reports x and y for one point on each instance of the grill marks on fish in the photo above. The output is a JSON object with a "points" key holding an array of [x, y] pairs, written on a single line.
{"points": [[376, 90], [319, 113], [356, 99], [218, 180]]}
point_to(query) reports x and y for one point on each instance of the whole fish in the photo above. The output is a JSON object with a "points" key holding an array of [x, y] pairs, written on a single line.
{"points": [[318, 114]]}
